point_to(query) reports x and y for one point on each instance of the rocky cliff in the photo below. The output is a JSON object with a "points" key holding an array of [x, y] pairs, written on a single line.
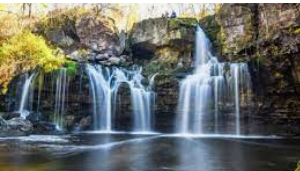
{"points": [[163, 45], [266, 36], [84, 35]]}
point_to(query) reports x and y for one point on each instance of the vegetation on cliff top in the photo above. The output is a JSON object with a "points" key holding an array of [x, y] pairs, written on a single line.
{"points": [[188, 22]]}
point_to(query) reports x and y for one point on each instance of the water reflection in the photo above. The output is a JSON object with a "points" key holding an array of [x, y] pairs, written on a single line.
{"points": [[121, 152]]}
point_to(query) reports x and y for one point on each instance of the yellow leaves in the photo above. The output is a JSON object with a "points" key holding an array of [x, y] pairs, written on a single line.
{"points": [[9, 26], [2, 6], [133, 16], [24, 52]]}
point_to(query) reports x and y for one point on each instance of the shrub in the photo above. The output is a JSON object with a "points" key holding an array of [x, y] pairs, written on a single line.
{"points": [[24, 52]]}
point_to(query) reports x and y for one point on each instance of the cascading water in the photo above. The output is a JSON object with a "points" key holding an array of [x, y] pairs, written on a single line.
{"points": [[23, 104], [30, 99], [212, 85], [60, 97], [100, 80], [104, 87]]}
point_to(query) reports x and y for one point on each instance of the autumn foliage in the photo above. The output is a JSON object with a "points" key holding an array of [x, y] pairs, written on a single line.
{"points": [[24, 52]]}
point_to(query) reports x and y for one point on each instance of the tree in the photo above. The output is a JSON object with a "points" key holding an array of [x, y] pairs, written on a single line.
{"points": [[132, 17], [28, 7]]}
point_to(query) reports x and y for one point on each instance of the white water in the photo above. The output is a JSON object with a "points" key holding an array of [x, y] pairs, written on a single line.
{"points": [[211, 85], [104, 87], [60, 97], [23, 104], [100, 87]]}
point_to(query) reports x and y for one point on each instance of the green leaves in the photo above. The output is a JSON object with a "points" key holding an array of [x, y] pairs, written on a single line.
{"points": [[71, 67]]}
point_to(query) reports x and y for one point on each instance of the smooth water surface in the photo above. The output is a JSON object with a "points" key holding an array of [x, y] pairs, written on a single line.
{"points": [[125, 152]]}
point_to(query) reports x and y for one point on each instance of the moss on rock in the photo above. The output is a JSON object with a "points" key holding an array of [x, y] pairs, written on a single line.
{"points": [[176, 23], [164, 42]]}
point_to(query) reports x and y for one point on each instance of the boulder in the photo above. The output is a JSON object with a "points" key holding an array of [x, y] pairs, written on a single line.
{"points": [[2, 121], [15, 127], [45, 128], [114, 60], [60, 38], [10, 115], [74, 29], [85, 123], [98, 33], [102, 57]]}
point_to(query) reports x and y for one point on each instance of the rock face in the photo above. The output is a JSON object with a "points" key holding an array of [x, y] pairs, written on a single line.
{"points": [[82, 34], [163, 41], [266, 36], [97, 33], [167, 94], [238, 29]]}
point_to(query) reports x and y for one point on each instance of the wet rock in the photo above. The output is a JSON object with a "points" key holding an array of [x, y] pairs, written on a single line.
{"points": [[69, 121], [10, 115], [45, 128], [122, 40], [85, 123], [123, 58], [34, 117], [102, 57], [2, 121], [114, 60], [15, 127]]}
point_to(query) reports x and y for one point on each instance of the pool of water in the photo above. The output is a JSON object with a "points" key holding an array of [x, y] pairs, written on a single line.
{"points": [[155, 152]]}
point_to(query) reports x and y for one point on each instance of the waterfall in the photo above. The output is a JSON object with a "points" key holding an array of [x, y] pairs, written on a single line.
{"points": [[105, 83], [26, 102], [60, 96], [23, 104], [204, 93], [100, 80]]}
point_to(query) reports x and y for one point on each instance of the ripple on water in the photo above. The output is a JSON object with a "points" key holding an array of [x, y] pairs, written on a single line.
{"points": [[38, 138]]}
